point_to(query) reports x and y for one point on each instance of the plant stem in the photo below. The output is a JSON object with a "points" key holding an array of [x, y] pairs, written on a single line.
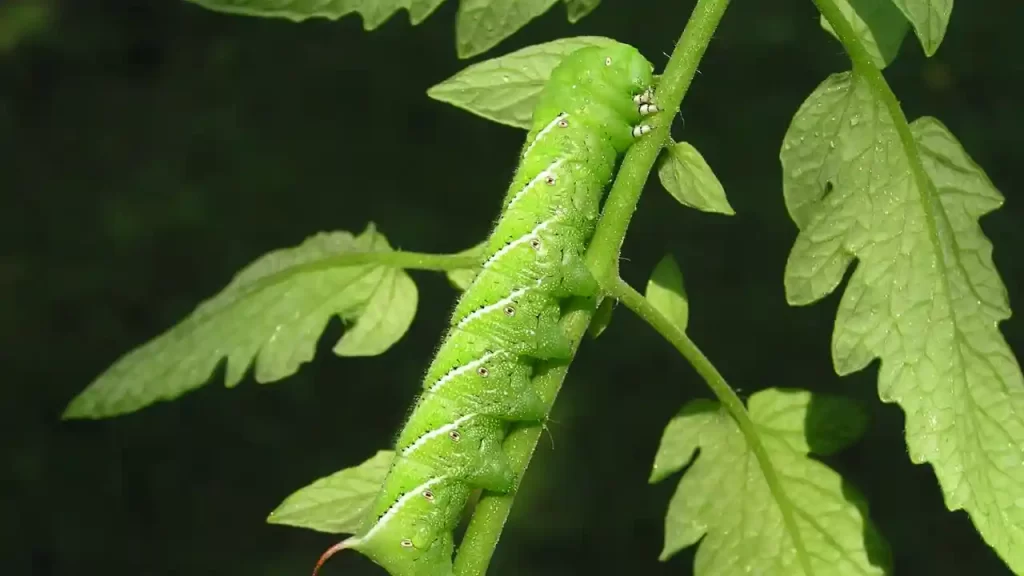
{"points": [[396, 259], [603, 255], [406, 260], [678, 338], [492, 510]]}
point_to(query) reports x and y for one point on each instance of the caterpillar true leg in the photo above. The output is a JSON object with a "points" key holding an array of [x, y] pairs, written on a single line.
{"points": [[647, 109], [640, 130], [645, 97]]}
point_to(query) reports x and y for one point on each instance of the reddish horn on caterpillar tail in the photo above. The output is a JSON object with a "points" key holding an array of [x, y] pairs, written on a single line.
{"points": [[346, 543]]}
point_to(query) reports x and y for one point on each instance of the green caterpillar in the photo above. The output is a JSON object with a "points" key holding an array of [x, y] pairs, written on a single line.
{"points": [[479, 383]]}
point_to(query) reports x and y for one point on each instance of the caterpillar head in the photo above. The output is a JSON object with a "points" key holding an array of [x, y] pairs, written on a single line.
{"points": [[596, 87], [630, 71]]}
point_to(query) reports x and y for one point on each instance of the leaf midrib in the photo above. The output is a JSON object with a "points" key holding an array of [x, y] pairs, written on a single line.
{"points": [[371, 259], [206, 319], [825, 534], [925, 193]]}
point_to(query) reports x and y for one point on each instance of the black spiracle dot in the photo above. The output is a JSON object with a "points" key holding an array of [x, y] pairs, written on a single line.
{"points": [[455, 436], [563, 123], [510, 311], [406, 543], [429, 495], [482, 371], [550, 180], [535, 243]]}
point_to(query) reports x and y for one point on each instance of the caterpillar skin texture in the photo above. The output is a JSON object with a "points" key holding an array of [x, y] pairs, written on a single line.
{"points": [[479, 383]]}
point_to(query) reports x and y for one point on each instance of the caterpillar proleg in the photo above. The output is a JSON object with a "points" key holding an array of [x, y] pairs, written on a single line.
{"points": [[588, 114]]}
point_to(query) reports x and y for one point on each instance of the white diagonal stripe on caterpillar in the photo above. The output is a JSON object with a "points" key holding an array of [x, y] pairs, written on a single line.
{"points": [[435, 433], [394, 508], [531, 235], [504, 301], [560, 118], [492, 307], [455, 372], [548, 172]]}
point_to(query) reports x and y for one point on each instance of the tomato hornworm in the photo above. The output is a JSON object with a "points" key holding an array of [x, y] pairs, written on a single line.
{"points": [[479, 383]]}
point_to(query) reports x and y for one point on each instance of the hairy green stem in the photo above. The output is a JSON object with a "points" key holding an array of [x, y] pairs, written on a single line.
{"points": [[400, 259], [492, 510], [603, 255], [393, 258], [725, 394]]}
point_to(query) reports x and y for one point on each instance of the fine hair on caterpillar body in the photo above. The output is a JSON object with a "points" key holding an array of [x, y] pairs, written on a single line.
{"points": [[588, 114]]}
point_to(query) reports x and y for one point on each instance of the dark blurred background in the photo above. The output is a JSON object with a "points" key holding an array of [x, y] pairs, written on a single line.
{"points": [[149, 149]]}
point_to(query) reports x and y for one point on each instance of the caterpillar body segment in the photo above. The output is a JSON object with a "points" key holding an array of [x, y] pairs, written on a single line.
{"points": [[496, 385], [479, 383]]}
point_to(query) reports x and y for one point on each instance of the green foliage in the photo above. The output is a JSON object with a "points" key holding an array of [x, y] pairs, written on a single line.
{"points": [[461, 278], [925, 298], [373, 12], [274, 310], [480, 24], [689, 179], [879, 25], [724, 501], [666, 292], [505, 89], [930, 18], [337, 503], [22, 20], [577, 9], [476, 31]]}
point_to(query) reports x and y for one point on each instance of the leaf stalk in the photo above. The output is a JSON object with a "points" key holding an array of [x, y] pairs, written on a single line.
{"points": [[406, 260], [728, 398]]}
